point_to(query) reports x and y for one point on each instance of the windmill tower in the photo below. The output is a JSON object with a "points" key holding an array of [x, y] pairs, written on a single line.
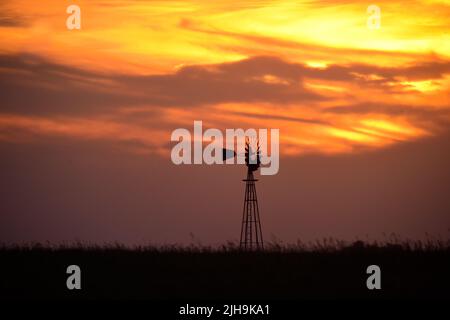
{"points": [[251, 234]]}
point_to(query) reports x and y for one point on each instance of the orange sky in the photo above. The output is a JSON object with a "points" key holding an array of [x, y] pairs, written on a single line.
{"points": [[139, 69]]}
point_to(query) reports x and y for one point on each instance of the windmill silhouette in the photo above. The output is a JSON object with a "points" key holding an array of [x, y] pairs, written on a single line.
{"points": [[251, 233]]}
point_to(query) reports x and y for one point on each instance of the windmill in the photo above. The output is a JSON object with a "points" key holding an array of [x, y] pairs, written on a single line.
{"points": [[251, 234]]}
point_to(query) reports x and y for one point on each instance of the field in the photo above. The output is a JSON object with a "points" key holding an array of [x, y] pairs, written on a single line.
{"points": [[325, 270]]}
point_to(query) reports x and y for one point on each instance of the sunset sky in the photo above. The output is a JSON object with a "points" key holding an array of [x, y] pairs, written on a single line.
{"points": [[86, 117]]}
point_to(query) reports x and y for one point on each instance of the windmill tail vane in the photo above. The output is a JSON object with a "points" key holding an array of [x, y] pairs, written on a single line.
{"points": [[251, 153]]}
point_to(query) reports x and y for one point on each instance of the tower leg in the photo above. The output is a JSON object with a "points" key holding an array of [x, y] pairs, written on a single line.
{"points": [[251, 234]]}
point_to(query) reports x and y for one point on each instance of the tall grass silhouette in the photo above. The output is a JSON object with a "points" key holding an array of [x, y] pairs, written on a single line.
{"points": [[327, 268]]}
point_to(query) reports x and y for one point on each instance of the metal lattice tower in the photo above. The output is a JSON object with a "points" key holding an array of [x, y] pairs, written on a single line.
{"points": [[251, 234]]}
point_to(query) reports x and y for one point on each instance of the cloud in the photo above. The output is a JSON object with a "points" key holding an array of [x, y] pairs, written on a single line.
{"points": [[32, 84], [242, 81], [7, 21], [389, 109], [261, 91], [280, 117], [9, 18]]}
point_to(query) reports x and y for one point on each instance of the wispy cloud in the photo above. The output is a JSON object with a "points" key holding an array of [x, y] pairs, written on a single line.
{"points": [[255, 92]]}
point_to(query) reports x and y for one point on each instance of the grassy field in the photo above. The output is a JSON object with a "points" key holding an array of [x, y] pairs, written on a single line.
{"points": [[326, 269]]}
